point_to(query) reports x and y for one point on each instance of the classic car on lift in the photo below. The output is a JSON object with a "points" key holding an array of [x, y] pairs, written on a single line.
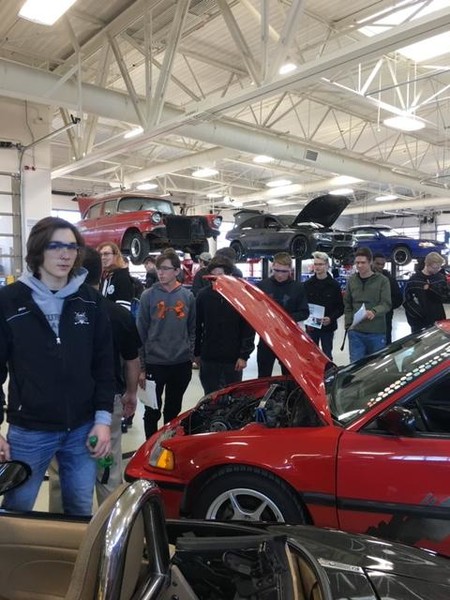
{"points": [[396, 247], [129, 551], [258, 234], [140, 223], [363, 448]]}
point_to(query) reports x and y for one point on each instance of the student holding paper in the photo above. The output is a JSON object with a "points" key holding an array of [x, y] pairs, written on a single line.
{"points": [[365, 287], [323, 291]]}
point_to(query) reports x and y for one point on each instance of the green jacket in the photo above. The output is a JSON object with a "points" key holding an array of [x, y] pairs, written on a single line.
{"points": [[375, 293]]}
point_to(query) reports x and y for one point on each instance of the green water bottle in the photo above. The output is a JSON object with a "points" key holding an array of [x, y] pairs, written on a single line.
{"points": [[105, 461]]}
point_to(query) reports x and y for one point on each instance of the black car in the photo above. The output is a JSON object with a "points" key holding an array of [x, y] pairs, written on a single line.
{"points": [[128, 551], [257, 234]]}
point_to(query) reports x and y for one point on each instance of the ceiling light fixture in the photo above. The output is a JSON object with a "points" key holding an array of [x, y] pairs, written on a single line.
{"points": [[404, 123], [133, 133], [386, 198], [262, 159], [213, 195], [44, 12], [146, 186], [287, 68], [205, 172], [278, 183], [341, 192]]}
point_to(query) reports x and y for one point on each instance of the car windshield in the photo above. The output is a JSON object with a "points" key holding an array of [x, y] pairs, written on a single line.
{"points": [[132, 204], [391, 233], [285, 219], [355, 389]]}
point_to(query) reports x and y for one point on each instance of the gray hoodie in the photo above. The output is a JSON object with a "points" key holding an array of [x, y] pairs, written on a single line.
{"points": [[166, 324], [49, 302]]}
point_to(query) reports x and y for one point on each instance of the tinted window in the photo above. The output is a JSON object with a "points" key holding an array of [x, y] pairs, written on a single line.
{"points": [[110, 207], [94, 211], [431, 407], [157, 204], [254, 222], [357, 388]]}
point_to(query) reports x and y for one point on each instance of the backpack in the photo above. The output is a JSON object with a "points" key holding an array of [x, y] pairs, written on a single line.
{"points": [[413, 310]]}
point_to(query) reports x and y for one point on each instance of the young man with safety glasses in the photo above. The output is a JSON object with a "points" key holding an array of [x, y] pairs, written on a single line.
{"points": [[290, 294], [55, 343]]}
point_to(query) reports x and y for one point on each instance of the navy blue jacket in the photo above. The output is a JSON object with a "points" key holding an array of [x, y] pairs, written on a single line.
{"points": [[55, 384]]}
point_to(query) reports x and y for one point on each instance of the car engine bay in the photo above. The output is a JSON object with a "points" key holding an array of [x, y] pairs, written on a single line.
{"points": [[283, 404]]}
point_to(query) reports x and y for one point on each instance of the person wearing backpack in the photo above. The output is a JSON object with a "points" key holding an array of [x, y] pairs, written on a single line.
{"points": [[425, 293]]}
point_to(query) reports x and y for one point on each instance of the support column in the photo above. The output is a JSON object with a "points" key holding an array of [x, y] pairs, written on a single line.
{"points": [[21, 124]]}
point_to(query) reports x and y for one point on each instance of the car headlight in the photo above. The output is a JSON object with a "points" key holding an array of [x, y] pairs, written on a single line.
{"points": [[322, 237], [161, 457], [156, 218], [427, 244]]}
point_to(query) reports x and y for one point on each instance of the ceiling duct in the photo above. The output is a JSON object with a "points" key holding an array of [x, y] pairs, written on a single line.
{"points": [[311, 155]]}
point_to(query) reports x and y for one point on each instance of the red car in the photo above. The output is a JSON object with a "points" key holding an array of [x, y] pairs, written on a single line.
{"points": [[139, 223], [363, 448]]}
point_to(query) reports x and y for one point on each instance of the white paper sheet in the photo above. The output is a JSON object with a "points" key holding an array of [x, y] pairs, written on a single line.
{"points": [[359, 315], [316, 314], [149, 396]]}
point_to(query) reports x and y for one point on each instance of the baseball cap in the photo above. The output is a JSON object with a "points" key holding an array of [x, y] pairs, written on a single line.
{"points": [[205, 257]]}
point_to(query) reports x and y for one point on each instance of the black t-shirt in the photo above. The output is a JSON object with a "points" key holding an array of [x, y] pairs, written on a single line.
{"points": [[126, 341]]}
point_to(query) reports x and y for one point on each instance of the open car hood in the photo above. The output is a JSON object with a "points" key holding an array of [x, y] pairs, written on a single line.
{"points": [[298, 353], [324, 210]]}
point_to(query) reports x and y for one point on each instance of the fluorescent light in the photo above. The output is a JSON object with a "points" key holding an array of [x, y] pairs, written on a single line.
{"points": [[341, 192], [344, 180], [133, 133], [287, 68], [213, 195], [404, 123], [278, 182], [206, 172], [262, 159], [386, 197], [44, 12], [115, 184], [147, 186]]}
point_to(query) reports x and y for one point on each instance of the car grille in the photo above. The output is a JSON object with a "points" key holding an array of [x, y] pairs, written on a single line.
{"points": [[343, 237]]}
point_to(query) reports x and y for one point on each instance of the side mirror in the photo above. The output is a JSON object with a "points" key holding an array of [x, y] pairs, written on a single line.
{"points": [[12, 474], [398, 421]]}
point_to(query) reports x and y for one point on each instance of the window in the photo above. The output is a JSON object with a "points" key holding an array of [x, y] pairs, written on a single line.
{"points": [[94, 211]]}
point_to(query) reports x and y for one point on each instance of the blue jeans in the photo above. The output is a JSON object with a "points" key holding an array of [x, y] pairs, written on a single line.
{"points": [[363, 344], [77, 469]]}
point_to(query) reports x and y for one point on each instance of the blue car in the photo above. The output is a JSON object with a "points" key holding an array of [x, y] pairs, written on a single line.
{"points": [[397, 248]]}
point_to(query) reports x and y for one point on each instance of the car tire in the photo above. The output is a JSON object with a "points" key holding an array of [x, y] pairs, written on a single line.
{"points": [[239, 249], [401, 256], [135, 246], [299, 247], [247, 494]]}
